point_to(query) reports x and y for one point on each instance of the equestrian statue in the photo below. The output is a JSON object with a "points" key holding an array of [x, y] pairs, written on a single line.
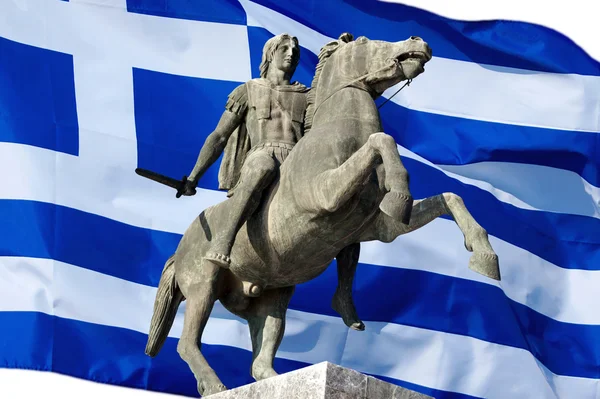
{"points": [[310, 175]]}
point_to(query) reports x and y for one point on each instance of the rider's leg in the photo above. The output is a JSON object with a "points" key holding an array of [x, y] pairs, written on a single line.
{"points": [[256, 174]]}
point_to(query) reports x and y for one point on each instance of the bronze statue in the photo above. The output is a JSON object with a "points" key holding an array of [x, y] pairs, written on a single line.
{"points": [[267, 116], [342, 183]]}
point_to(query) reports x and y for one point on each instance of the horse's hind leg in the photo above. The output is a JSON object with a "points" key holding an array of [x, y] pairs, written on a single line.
{"points": [[335, 187], [201, 296], [342, 302], [484, 260], [266, 319]]}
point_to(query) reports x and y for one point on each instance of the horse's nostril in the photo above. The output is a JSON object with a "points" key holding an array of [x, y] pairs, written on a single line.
{"points": [[415, 38]]}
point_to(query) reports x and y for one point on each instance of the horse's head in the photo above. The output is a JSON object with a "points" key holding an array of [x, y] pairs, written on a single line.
{"points": [[371, 65], [382, 64]]}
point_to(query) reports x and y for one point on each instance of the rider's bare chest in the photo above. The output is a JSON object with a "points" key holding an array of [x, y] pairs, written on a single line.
{"points": [[275, 116]]}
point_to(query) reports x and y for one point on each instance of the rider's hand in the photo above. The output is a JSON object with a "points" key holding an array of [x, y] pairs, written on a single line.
{"points": [[188, 189]]}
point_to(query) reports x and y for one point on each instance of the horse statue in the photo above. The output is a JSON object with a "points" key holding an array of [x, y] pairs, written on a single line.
{"points": [[342, 184]]}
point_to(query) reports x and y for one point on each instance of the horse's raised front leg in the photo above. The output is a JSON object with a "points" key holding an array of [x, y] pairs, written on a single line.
{"points": [[334, 187], [201, 297], [266, 319], [484, 260], [342, 302]]}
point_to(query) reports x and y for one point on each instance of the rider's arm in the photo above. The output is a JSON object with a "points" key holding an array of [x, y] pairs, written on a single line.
{"points": [[215, 144]]}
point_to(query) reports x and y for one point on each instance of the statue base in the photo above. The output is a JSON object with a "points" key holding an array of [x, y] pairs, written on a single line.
{"points": [[320, 381]]}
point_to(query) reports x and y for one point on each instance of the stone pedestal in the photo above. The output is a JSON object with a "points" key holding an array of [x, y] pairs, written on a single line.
{"points": [[320, 381]]}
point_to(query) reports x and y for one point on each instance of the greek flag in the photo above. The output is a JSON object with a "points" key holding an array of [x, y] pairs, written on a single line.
{"points": [[506, 115]]}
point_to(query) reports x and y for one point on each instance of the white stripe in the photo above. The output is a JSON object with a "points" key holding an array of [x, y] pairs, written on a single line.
{"points": [[525, 186], [542, 187], [131, 199], [104, 3], [475, 91], [455, 363], [113, 191], [430, 358], [504, 95], [26, 284]]}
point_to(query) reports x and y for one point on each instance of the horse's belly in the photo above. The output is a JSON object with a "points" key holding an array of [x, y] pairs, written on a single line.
{"points": [[288, 274], [282, 266], [306, 243]]}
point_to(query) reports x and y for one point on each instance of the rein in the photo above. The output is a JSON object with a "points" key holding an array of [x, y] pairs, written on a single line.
{"points": [[358, 80], [405, 84]]}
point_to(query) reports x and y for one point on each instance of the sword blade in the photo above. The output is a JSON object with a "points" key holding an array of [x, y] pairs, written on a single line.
{"points": [[166, 180]]}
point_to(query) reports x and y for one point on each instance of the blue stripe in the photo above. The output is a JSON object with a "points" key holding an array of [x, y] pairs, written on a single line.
{"points": [[26, 340], [447, 140], [37, 98], [505, 43], [96, 243], [415, 298], [116, 356], [225, 11]]}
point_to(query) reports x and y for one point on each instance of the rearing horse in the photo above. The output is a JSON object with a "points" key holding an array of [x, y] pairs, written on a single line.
{"points": [[342, 184]]}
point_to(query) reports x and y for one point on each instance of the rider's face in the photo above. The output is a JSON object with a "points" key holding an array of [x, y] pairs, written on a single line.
{"points": [[286, 56]]}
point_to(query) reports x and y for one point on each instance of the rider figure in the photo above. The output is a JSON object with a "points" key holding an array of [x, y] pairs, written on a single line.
{"points": [[263, 119]]}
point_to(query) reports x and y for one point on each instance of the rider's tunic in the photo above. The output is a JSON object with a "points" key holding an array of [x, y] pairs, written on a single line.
{"points": [[273, 122]]}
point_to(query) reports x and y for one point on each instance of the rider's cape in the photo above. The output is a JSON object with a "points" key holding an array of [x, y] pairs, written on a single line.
{"points": [[256, 94]]}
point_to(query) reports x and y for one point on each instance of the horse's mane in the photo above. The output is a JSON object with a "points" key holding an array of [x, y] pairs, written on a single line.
{"points": [[326, 52]]}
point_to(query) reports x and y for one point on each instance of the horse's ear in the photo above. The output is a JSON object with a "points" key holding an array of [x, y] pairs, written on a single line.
{"points": [[346, 37], [332, 46]]}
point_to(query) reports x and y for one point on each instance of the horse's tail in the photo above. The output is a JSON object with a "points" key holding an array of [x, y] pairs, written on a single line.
{"points": [[167, 301]]}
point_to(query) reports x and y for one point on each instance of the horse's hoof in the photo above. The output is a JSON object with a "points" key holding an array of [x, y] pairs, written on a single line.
{"points": [[344, 306], [398, 206], [358, 326], [264, 373], [221, 260], [208, 390], [485, 263]]}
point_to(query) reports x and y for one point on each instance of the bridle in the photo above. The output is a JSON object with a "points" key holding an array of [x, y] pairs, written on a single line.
{"points": [[353, 82]]}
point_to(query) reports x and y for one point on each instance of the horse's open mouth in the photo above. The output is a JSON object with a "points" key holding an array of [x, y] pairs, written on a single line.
{"points": [[419, 55]]}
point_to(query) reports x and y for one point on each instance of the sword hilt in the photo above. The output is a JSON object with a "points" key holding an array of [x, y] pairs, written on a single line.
{"points": [[181, 187]]}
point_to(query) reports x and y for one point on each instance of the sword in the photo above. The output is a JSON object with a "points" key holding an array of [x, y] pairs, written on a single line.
{"points": [[166, 180]]}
